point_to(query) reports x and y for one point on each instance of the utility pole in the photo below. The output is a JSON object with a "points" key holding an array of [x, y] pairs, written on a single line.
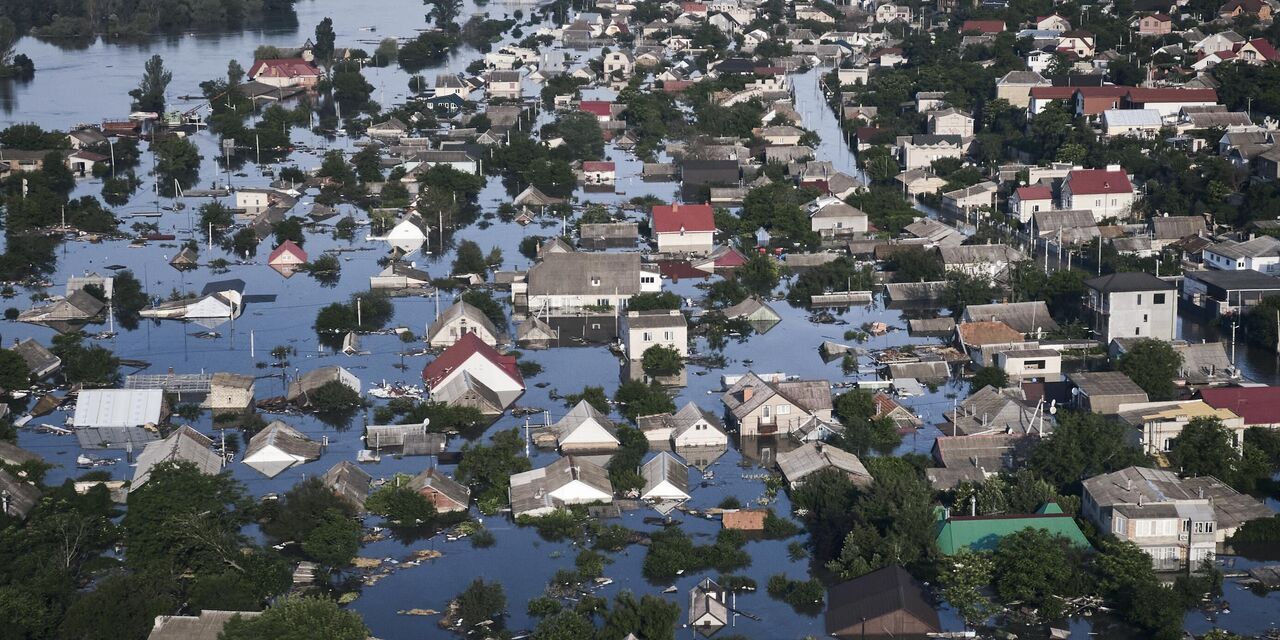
{"points": [[1233, 342]]}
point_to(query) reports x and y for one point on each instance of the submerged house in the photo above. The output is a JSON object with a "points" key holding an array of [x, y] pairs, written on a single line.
{"points": [[812, 457], [278, 447], [445, 494], [184, 445], [39, 360], [585, 428], [567, 481], [77, 306], [300, 389], [886, 603], [459, 319], [472, 373], [666, 480], [349, 482], [708, 607], [760, 407]]}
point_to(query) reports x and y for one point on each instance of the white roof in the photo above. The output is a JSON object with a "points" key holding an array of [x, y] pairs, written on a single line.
{"points": [[118, 407], [1132, 118]]}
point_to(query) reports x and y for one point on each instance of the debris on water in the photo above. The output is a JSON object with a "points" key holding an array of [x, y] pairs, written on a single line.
{"points": [[418, 612]]}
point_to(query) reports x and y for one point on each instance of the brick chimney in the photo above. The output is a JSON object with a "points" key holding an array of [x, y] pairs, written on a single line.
{"points": [[747, 392]]}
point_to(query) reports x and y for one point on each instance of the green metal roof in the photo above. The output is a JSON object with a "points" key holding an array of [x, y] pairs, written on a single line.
{"points": [[982, 533]]}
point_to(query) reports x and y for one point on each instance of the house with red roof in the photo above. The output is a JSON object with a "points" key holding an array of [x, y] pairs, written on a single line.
{"points": [[984, 27], [1235, 8], [1258, 406], [1091, 102], [288, 254], [684, 228], [285, 72], [1107, 193], [1168, 100], [1025, 201], [598, 172], [601, 109], [1256, 51], [473, 374]]}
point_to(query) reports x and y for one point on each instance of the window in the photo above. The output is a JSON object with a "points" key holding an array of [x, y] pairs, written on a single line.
{"points": [[1139, 298], [1168, 444], [647, 337], [646, 279], [1144, 318], [666, 335], [603, 302], [1159, 299], [1034, 365], [595, 282], [784, 409], [1202, 527], [1137, 331], [1120, 525]]}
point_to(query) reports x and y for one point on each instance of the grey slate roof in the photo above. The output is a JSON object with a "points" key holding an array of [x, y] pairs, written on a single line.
{"points": [[349, 481], [184, 445], [206, 626], [1023, 317], [458, 310], [22, 494], [572, 273], [436, 480], [664, 467], [816, 456]]}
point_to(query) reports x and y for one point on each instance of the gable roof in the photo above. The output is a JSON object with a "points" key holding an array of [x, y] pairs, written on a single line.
{"points": [[462, 309], [290, 247], [816, 456], [460, 352], [572, 273], [184, 445], [1023, 317], [1257, 405], [579, 415], [283, 68], [1098, 181], [677, 218], [435, 479], [877, 594], [987, 332]]}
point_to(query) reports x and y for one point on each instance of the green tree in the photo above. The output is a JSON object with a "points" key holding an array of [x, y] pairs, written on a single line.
{"points": [[334, 541], [481, 601], [654, 301], [305, 506], [400, 504], [1152, 365], [594, 395], [322, 47], [661, 360], [177, 160], [1205, 447], [444, 12], [1083, 445], [1038, 569], [469, 258], [964, 579], [964, 289], [635, 399], [149, 96], [290, 229], [14, 373], [564, 625], [582, 135], [487, 469], [759, 275], [988, 377], [298, 618], [651, 617], [863, 432], [92, 366]]}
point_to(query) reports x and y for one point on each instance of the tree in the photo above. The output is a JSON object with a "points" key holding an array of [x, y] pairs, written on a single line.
{"points": [[290, 229], [1152, 365], [654, 301], [481, 601], [1038, 569], [864, 433], [443, 12], [989, 377], [149, 96], [92, 366], [651, 617], [322, 48], [306, 505], [9, 37], [483, 300], [298, 618], [487, 469], [639, 399], [1205, 447], [964, 578], [563, 625], [334, 541], [235, 74], [964, 289], [582, 135], [593, 395], [176, 159], [334, 397], [661, 360], [14, 373], [1083, 445], [400, 504], [469, 258], [759, 275]]}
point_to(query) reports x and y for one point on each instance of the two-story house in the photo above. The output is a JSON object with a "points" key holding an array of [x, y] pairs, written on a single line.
{"points": [[660, 327], [1106, 192], [1261, 254], [1178, 522], [1134, 304], [763, 408], [684, 228], [571, 281], [1153, 426]]}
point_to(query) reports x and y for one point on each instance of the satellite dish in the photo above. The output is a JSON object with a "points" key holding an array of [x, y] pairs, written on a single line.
{"points": [[1053, 407], [1075, 391]]}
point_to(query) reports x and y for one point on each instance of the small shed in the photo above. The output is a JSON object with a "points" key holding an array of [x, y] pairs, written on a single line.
{"points": [[535, 333], [585, 428], [230, 391], [186, 258]]}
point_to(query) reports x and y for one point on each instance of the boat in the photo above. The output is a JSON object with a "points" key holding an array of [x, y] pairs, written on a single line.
{"points": [[393, 390], [88, 462]]}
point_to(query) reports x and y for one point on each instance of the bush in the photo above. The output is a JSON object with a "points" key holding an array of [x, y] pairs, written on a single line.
{"points": [[334, 397], [400, 504], [802, 595], [661, 360]]}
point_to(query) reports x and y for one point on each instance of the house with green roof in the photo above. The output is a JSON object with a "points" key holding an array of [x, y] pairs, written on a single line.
{"points": [[982, 533]]}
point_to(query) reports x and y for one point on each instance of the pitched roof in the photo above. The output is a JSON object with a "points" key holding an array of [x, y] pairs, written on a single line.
{"points": [[460, 352], [876, 594], [349, 481], [435, 479], [983, 533], [816, 456], [288, 246], [1257, 405], [283, 68], [1023, 317], [285, 438], [575, 273], [461, 309], [1035, 192], [1097, 181], [184, 445], [987, 332], [678, 218]]}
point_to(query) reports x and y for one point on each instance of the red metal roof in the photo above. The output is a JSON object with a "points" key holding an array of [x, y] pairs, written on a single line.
{"points": [[683, 217], [1139, 95], [1265, 49], [730, 258], [1052, 93], [597, 165], [600, 108], [1094, 181], [283, 68], [983, 26], [693, 7], [1257, 405], [457, 355], [288, 246], [1039, 192]]}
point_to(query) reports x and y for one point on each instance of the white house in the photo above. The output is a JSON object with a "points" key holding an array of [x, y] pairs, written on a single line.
{"points": [[684, 228], [278, 447], [920, 150], [567, 481], [1031, 363], [661, 327], [1260, 254], [693, 427], [503, 84], [1106, 192], [472, 373], [570, 281], [1026, 201], [585, 428], [458, 320], [666, 479], [830, 216], [950, 122], [986, 260], [620, 63]]}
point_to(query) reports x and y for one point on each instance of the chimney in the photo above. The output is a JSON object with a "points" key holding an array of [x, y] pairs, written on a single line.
{"points": [[747, 392]]}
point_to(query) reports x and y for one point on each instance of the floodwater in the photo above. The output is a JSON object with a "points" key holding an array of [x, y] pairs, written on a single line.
{"points": [[88, 85]]}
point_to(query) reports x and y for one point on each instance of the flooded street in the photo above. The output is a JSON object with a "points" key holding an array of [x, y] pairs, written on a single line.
{"points": [[87, 85]]}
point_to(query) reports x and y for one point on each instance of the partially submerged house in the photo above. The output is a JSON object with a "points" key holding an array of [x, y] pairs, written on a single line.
{"points": [[278, 447], [708, 607], [183, 445], [568, 481], [585, 428], [349, 482], [813, 457], [760, 407], [76, 307], [666, 480], [39, 360], [472, 373], [659, 327], [301, 388], [445, 494], [230, 392], [886, 603], [460, 319]]}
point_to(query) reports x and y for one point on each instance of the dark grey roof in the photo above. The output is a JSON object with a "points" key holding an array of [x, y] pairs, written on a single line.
{"points": [[1235, 280], [573, 274], [436, 480], [349, 481], [876, 594], [1131, 281], [1105, 383]]}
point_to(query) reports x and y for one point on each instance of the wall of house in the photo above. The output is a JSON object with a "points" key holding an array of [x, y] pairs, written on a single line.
{"points": [[780, 414], [229, 398], [638, 340], [1146, 314], [1103, 205], [702, 435], [453, 331], [687, 242]]}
